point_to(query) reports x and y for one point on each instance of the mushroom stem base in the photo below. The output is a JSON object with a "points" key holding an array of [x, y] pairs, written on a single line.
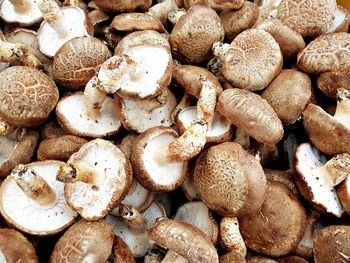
{"points": [[75, 172]]}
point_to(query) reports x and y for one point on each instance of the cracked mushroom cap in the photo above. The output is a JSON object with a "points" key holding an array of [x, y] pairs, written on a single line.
{"points": [[341, 21], [23, 12], [309, 18], [116, 6], [23, 208], [15, 247], [150, 163], [330, 82], [251, 113], [111, 174], [277, 228], [27, 96], [136, 21], [71, 115], [229, 180], [332, 244], [84, 242], [17, 148], [326, 53], [75, 63]]}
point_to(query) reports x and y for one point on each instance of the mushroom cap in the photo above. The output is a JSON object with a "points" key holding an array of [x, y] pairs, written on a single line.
{"points": [[26, 17], [310, 18], [185, 239], [253, 60], [123, 5], [79, 26], [71, 116], [341, 21], [343, 192], [17, 148], [260, 259], [330, 82], [279, 226], [126, 143], [220, 5], [136, 21], [51, 129], [59, 148], [290, 42], [151, 173], [251, 113], [188, 186], [24, 213], [326, 53], [95, 201], [84, 242], [27, 96], [292, 259], [121, 251], [194, 34], [325, 132], [229, 180], [135, 116], [314, 184], [288, 94], [232, 256], [283, 177], [75, 63], [331, 244], [15, 247]]}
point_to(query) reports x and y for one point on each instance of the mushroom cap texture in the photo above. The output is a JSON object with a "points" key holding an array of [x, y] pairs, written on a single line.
{"points": [[185, 239], [232, 256], [84, 242], [253, 60], [278, 227], [75, 63], [292, 259], [330, 82], [251, 113], [309, 18], [229, 180], [331, 244], [260, 259], [121, 251], [16, 247], [27, 96], [123, 5], [329, 52], [136, 21]]}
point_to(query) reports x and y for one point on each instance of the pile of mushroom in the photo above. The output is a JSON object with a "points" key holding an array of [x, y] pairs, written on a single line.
{"points": [[201, 131]]}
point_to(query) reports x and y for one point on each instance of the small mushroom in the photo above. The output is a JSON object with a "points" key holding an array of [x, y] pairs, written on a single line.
{"points": [[115, 6], [31, 194], [129, 22], [23, 12], [230, 236], [341, 21], [121, 251], [97, 178], [330, 82], [84, 242]]}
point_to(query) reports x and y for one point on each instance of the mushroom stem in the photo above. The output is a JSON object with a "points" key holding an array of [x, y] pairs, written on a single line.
{"points": [[336, 169], [74, 172], [6, 128], [174, 16], [21, 6], [33, 185], [342, 112], [173, 257], [93, 99], [206, 101], [220, 50], [161, 10], [231, 237], [242, 138], [184, 103], [132, 217]]}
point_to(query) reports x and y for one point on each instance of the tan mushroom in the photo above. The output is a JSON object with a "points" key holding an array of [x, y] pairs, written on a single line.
{"points": [[230, 236], [51, 129], [84, 242], [292, 259], [330, 82], [123, 5], [162, 9], [267, 8], [31, 194], [121, 251], [261, 259], [126, 143], [283, 177], [218, 5], [232, 256], [341, 21], [343, 192], [129, 22], [23, 12]]}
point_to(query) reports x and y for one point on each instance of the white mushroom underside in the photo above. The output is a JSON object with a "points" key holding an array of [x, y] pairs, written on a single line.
{"points": [[140, 120], [340, 15], [8, 144], [2, 257], [188, 188], [137, 197], [161, 173], [72, 108], [9, 13], [28, 215]]}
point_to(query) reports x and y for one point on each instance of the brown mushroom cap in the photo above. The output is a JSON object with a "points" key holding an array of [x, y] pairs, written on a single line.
{"points": [[17, 148], [121, 251], [326, 53], [51, 129], [341, 21], [311, 18], [292, 259], [123, 5], [84, 242], [260, 259], [332, 244], [14, 247], [279, 226], [330, 82], [252, 114], [229, 180], [343, 192], [232, 256], [286, 178], [267, 8], [185, 239], [136, 21], [27, 96], [76, 61], [194, 34], [288, 94], [26, 14]]}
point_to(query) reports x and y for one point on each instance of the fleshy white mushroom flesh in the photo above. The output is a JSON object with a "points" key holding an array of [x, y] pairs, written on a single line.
{"points": [[24, 12]]}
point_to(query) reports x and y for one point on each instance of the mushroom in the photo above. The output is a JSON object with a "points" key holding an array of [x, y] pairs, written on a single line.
{"points": [[194, 34], [230, 236], [229, 180], [283, 177], [97, 178], [121, 251], [17, 148], [330, 82], [325, 53], [331, 244], [232, 256], [343, 192], [252, 114], [260, 259], [23, 12], [99, 20], [84, 242], [60, 25], [185, 239], [14, 247], [27, 96], [51, 129], [188, 186], [122, 5], [310, 18], [252, 60], [76, 61], [341, 21], [316, 177], [288, 94], [31, 194], [292, 259], [277, 228], [126, 143], [218, 5], [162, 9], [129, 22]]}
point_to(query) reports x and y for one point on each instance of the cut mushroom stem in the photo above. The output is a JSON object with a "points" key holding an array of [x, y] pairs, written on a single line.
{"points": [[21, 6], [336, 169], [33, 185], [132, 217], [83, 172], [6, 128], [206, 101], [343, 107], [184, 103], [242, 138], [220, 49], [174, 16], [93, 99]]}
